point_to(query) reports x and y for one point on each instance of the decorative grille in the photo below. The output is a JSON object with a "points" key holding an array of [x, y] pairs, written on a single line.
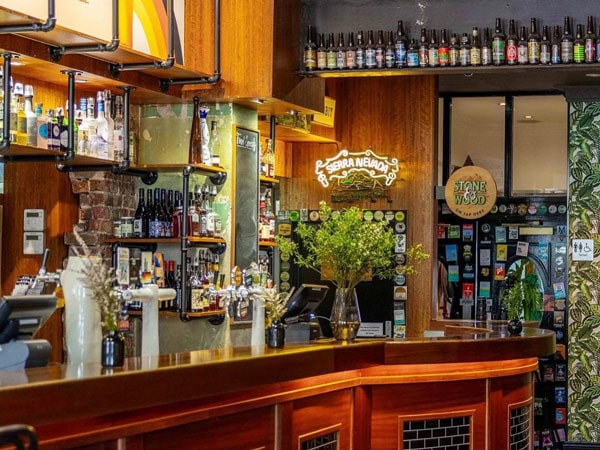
{"points": [[327, 441], [520, 427], [452, 433]]}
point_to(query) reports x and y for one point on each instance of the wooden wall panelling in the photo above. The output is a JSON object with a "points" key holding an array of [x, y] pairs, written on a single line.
{"points": [[396, 117], [392, 404]]}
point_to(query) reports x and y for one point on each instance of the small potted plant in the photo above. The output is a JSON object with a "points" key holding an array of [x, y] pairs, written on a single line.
{"points": [[521, 296], [275, 308], [347, 250]]}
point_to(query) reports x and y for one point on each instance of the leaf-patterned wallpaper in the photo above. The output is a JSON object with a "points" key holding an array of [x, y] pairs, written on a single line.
{"points": [[584, 276]]}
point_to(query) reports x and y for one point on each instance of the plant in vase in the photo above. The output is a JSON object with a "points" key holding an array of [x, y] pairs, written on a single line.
{"points": [[521, 295], [99, 279], [347, 250], [275, 308]]}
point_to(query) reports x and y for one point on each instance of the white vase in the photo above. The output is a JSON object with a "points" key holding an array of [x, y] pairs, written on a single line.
{"points": [[83, 333]]}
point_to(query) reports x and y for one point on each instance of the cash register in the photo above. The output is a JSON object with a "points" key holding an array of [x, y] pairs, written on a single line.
{"points": [[302, 324]]}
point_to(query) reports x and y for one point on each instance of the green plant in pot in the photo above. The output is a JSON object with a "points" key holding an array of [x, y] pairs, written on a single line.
{"points": [[522, 296], [347, 250]]}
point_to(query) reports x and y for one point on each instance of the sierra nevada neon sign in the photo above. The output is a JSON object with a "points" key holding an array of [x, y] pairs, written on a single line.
{"points": [[345, 163]]}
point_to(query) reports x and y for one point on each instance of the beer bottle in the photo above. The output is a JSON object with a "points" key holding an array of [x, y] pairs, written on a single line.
{"points": [[390, 51], [590, 42], [340, 54], [351, 52], [370, 61], [433, 55], [545, 47], [498, 45], [380, 51], [412, 54], [453, 51], [579, 45], [465, 50], [566, 43], [533, 43], [512, 45], [555, 52], [444, 49], [486, 48], [423, 48], [401, 46], [360, 51], [331, 53], [475, 48], [310, 52], [522, 47], [321, 53]]}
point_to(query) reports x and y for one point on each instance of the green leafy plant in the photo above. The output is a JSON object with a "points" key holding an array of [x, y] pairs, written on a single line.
{"points": [[347, 249], [98, 278], [522, 296], [275, 302]]}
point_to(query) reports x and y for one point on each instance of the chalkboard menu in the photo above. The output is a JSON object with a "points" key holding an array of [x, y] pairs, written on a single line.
{"points": [[246, 196]]}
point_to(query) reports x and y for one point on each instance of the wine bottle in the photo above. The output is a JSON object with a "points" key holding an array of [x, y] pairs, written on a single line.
{"points": [[310, 52], [195, 149], [215, 145], [138, 218], [155, 222]]}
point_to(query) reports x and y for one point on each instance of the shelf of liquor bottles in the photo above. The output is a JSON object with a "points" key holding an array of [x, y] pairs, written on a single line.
{"points": [[192, 240], [78, 160]]}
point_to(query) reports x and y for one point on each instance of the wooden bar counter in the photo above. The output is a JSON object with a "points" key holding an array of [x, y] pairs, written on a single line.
{"points": [[463, 390]]}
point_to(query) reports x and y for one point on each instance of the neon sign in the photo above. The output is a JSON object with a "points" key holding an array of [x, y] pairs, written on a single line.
{"points": [[343, 165]]}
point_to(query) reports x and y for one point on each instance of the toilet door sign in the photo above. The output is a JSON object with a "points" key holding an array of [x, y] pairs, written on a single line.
{"points": [[583, 250]]}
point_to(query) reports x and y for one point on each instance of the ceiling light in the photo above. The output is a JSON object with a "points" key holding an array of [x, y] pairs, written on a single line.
{"points": [[502, 104], [16, 63], [593, 75], [80, 80], [528, 117]]}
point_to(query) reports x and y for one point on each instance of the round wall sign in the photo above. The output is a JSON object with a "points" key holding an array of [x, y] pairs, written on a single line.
{"points": [[471, 192]]}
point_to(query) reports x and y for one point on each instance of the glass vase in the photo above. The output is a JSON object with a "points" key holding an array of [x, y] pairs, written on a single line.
{"points": [[345, 315], [113, 349]]}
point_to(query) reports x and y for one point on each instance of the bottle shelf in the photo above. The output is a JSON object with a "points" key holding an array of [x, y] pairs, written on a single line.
{"points": [[289, 134], [267, 244], [191, 240], [268, 180], [78, 160], [197, 168]]}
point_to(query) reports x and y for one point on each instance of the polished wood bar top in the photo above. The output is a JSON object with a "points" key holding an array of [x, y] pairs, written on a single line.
{"points": [[153, 381]]}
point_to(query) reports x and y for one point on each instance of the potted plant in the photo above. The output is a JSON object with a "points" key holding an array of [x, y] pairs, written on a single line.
{"points": [[347, 250], [521, 297], [275, 303]]}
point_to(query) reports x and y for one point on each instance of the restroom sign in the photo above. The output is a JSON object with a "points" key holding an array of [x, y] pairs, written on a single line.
{"points": [[583, 250]]}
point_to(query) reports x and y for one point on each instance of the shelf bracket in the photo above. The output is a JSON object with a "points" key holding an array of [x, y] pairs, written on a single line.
{"points": [[57, 52], [216, 76], [183, 299], [47, 25], [69, 154], [116, 69]]}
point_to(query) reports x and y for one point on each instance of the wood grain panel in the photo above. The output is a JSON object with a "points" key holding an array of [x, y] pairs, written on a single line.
{"points": [[391, 404], [395, 117]]}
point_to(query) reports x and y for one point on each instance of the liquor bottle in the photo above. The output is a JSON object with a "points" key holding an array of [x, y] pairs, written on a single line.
{"points": [[41, 126], [498, 44], [53, 131], [215, 145], [360, 51], [30, 118], [380, 51], [401, 46], [102, 127], [331, 53], [340, 54], [216, 217], [370, 61], [92, 127], [512, 44], [556, 46], [202, 212], [351, 52], [522, 47], [205, 134], [321, 53], [444, 49], [486, 48], [533, 43], [195, 149], [579, 45], [412, 54], [83, 144], [196, 291], [21, 128], [138, 217], [566, 43], [423, 49], [310, 52], [108, 115], [545, 47], [15, 106], [155, 222], [475, 48], [171, 282], [464, 54], [390, 52], [176, 216], [193, 218], [590, 42], [453, 51], [433, 55], [270, 159], [64, 130], [118, 140], [210, 214]]}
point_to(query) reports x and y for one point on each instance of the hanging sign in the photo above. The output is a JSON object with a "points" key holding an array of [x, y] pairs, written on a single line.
{"points": [[343, 165], [471, 192]]}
